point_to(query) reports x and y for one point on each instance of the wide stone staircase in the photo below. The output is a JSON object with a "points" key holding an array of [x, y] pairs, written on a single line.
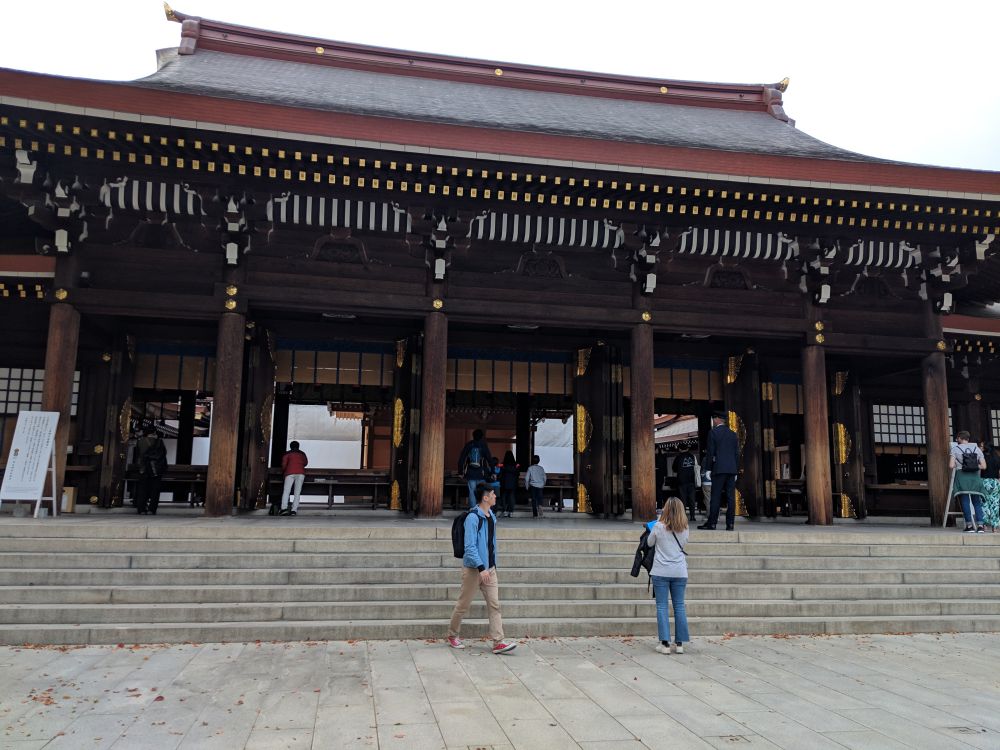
{"points": [[64, 581]]}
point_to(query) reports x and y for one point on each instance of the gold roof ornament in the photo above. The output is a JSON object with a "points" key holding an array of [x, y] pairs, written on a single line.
{"points": [[169, 12], [783, 84]]}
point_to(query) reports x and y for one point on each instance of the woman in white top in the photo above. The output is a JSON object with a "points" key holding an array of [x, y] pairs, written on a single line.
{"points": [[669, 534]]}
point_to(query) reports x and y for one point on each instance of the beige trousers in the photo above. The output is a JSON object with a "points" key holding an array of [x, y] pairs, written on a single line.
{"points": [[491, 594]]}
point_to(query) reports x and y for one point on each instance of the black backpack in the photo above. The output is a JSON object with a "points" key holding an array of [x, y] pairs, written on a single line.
{"points": [[458, 534], [970, 461]]}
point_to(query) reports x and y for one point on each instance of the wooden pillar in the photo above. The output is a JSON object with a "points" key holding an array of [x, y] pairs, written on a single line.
{"points": [[742, 393], [524, 445], [279, 426], [938, 439], [432, 415], [220, 485], [185, 428], [819, 490], [643, 460], [57, 391], [848, 443]]}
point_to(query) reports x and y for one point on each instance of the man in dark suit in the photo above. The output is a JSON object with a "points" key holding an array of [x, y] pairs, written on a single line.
{"points": [[724, 462]]}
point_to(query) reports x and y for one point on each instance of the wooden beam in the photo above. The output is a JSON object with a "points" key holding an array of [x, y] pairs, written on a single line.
{"points": [[819, 491], [146, 304], [432, 415], [57, 391], [935, 383], [221, 481], [642, 466]]}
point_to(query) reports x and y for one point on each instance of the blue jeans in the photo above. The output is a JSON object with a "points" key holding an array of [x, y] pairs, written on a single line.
{"points": [[473, 483], [970, 502], [666, 589]]}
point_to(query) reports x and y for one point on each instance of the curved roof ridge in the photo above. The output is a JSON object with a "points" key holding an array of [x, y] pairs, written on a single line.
{"points": [[207, 34]]}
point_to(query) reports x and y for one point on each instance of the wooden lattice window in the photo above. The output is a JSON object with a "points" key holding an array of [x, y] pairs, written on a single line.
{"points": [[21, 390]]}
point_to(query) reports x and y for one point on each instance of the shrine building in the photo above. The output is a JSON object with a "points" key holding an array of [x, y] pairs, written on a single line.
{"points": [[430, 244]]}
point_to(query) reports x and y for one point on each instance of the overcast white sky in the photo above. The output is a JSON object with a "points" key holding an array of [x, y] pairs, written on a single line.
{"points": [[914, 81]]}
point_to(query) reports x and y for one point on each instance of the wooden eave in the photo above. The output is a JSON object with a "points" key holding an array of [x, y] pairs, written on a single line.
{"points": [[133, 104], [263, 163]]}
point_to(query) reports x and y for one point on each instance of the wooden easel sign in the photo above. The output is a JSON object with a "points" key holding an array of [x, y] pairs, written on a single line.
{"points": [[32, 460]]}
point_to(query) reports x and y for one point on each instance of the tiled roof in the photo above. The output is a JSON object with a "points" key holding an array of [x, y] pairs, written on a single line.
{"points": [[376, 94]]}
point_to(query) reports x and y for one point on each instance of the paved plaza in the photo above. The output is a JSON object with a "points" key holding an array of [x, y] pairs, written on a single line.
{"points": [[891, 691]]}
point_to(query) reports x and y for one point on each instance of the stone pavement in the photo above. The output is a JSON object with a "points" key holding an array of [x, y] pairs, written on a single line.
{"points": [[886, 691]]}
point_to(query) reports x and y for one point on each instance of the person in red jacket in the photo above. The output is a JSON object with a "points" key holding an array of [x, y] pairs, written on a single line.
{"points": [[293, 466]]}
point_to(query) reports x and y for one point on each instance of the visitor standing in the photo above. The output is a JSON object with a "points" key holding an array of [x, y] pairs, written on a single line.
{"points": [[151, 460], [473, 463], [669, 573], [510, 472], [991, 488], [968, 461], [723, 461], [293, 466], [686, 468], [534, 482], [479, 570]]}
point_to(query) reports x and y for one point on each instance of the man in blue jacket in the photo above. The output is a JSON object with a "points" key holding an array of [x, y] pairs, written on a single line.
{"points": [[479, 569], [724, 464]]}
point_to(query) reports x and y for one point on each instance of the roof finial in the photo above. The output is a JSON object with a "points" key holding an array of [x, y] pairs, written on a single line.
{"points": [[171, 16], [783, 85]]}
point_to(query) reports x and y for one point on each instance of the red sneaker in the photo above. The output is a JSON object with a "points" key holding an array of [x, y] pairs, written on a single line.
{"points": [[455, 642], [503, 647]]}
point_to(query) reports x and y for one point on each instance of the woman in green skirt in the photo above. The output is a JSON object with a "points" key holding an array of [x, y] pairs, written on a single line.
{"points": [[991, 488], [967, 460]]}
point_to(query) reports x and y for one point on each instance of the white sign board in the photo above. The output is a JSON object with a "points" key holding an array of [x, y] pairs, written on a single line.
{"points": [[30, 456]]}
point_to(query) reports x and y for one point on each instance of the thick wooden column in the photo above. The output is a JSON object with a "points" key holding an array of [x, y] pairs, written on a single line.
{"points": [[742, 394], [935, 385], [848, 443], [185, 428], [522, 427], [57, 391], [279, 426], [643, 459], [432, 415], [819, 490], [220, 485]]}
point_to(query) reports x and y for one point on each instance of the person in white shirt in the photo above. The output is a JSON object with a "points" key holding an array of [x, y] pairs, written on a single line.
{"points": [[534, 482]]}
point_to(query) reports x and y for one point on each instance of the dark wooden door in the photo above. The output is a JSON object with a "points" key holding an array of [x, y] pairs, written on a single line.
{"points": [[405, 433], [599, 431]]}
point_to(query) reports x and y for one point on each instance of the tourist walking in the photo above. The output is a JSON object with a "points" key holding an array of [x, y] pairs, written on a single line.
{"points": [[688, 473], [293, 466], [723, 461], [510, 472], [968, 461], [534, 482], [479, 570], [151, 460], [668, 535], [473, 463]]}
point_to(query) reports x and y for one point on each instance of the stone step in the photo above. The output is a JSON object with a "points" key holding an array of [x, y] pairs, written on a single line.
{"points": [[63, 545], [440, 611], [448, 591], [472, 629], [446, 560], [301, 529], [375, 576]]}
